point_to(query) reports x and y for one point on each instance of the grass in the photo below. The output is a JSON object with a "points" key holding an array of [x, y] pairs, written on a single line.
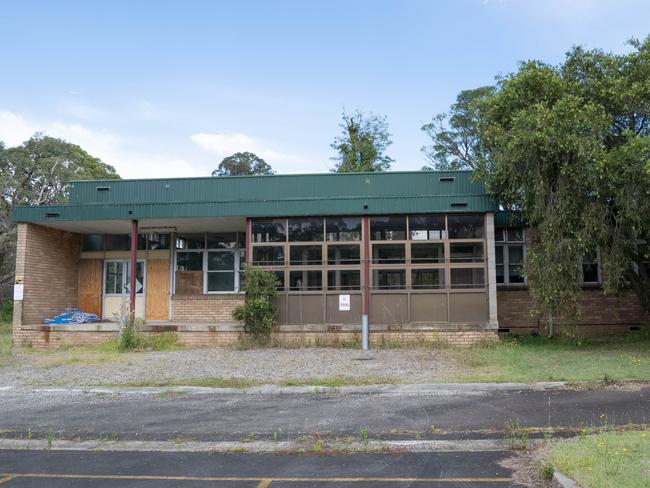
{"points": [[530, 359], [605, 460], [6, 313]]}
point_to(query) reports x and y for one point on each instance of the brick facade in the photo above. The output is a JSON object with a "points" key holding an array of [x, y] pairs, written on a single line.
{"points": [[216, 308], [47, 263], [599, 314]]}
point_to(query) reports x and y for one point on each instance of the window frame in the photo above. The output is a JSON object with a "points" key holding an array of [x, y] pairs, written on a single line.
{"points": [[505, 245]]}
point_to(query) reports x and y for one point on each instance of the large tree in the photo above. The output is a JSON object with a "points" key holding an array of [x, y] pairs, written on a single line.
{"points": [[569, 147], [37, 173], [243, 163], [362, 144]]}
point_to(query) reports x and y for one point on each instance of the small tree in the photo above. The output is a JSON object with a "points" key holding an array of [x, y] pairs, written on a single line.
{"points": [[259, 310], [243, 163], [361, 146]]}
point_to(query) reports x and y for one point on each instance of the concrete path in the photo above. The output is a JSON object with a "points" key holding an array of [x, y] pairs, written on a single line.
{"points": [[53, 469], [200, 416]]}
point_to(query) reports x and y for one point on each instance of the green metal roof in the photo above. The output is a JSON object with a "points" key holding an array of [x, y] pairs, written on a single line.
{"points": [[268, 196]]}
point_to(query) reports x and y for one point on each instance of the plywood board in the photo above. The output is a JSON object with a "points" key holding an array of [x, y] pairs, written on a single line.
{"points": [[157, 289], [90, 285], [189, 282]]}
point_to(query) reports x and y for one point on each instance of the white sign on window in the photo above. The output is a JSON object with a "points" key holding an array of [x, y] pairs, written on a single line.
{"points": [[344, 303], [18, 291]]}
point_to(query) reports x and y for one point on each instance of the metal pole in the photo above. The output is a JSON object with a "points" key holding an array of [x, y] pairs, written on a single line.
{"points": [[366, 282], [134, 267]]}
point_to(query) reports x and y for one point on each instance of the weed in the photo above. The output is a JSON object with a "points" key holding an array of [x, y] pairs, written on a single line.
{"points": [[250, 437], [50, 437], [363, 434], [516, 436], [545, 471]]}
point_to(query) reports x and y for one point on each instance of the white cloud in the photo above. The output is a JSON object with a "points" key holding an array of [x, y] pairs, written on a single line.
{"points": [[224, 144], [15, 129]]}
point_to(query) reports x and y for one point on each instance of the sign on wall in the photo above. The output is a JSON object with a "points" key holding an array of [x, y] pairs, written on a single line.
{"points": [[344, 303], [18, 291]]}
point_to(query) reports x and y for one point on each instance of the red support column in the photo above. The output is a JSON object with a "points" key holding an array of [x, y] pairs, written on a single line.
{"points": [[134, 267], [248, 241]]}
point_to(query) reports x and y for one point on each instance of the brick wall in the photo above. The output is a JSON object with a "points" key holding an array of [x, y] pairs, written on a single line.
{"points": [[47, 261], [205, 308], [599, 313], [45, 339]]}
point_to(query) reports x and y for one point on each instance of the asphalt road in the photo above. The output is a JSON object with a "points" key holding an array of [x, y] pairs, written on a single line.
{"points": [[233, 417], [72, 469]]}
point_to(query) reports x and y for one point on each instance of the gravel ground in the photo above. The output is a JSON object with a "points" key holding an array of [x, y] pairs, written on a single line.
{"points": [[262, 365]]}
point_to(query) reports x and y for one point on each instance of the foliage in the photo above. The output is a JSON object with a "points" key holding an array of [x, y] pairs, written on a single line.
{"points": [[569, 147], [131, 338], [362, 144], [456, 140], [243, 163], [37, 173], [6, 314], [130, 334], [258, 313]]}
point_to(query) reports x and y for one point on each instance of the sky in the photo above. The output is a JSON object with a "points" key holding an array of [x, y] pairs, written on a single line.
{"points": [[168, 89]]}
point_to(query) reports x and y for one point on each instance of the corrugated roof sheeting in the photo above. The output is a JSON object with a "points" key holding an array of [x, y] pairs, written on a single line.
{"points": [[278, 195]]}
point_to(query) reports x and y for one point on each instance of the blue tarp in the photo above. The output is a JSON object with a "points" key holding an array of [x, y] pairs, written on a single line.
{"points": [[73, 316]]}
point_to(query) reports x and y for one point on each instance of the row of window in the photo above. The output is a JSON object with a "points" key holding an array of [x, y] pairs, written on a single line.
{"points": [[122, 242], [382, 279], [350, 254], [382, 228]]}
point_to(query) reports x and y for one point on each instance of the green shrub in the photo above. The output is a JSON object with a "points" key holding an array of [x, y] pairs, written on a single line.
{"points": [[130, 336], [6, 312], [259, 310]]}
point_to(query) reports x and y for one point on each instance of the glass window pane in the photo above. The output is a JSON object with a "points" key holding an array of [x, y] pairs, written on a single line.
{"points": [[158, 241], [189, 261], [221, 281], [305, 280], [305, 255], [427, 227], [388, 279], [590, 273], [139, 278], [227, 240], [427, 253], [467, 278], [221, 261], [389, 228], [516, 234], [92, 242], [118, 242], [388, 253], [190, 241], [113, 277], [498, 250], [343, 254], [516, 254], [466, 252], [500, 278], [343, 228], [268, 230], [344, 279], [280, 276], [306, 230], [499, 235], [268, 255], [516, 274], [422, 279], [465, 226]]}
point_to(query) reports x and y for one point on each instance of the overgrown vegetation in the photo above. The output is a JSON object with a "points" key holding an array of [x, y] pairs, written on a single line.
{"points": [[258, 311], [605, 460], [530, 359], [568, 146], [6, 314], [131, 338]]}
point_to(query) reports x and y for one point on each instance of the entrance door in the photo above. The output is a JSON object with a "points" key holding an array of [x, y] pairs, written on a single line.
{"points": [[117, 281]]}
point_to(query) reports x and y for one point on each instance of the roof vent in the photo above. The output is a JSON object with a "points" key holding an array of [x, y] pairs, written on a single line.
{"points": [[50, 215], [459, 204], [103, 188], [447, 178]]}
